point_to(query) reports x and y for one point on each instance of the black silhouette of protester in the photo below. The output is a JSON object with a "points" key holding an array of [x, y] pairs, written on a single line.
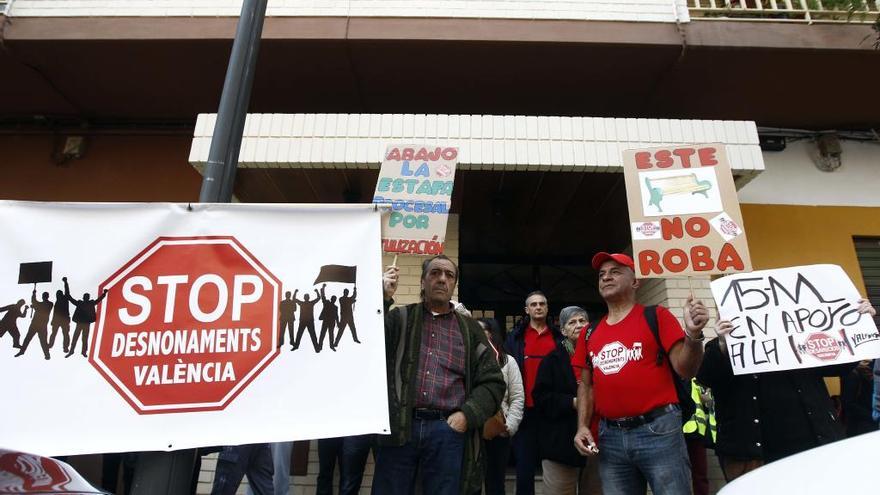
{"points": [[8, 322], [61, 320], [287, 315], [83, 316], [39, 324], [306, 319], [346, 315], [329, 316]]}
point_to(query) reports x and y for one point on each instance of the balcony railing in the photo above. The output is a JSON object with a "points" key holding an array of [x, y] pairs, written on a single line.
{"points": [[859, 11]]}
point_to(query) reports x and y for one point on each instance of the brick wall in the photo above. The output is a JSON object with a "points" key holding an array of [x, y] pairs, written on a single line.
{"points": [[615, 10]]}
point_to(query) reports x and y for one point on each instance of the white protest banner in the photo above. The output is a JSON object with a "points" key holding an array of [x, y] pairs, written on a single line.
{"points": [[684, 212], [163, 326], [798, 317], [416, 180]]}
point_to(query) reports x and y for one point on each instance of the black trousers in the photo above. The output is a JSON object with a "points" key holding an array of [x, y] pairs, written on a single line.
{"points": [[525, 448], [497, 456]]}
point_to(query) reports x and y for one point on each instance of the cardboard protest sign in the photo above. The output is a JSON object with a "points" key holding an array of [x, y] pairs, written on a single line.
{"points": [[798, 317], [684, 213], [170, 327], [416, 181]]}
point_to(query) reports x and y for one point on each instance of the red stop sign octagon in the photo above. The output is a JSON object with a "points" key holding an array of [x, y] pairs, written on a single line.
{"points": [[187, 324], [823, 346]]}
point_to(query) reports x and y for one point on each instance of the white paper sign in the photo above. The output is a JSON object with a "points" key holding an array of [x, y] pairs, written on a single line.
{"points": [[798, 317], [646, 231], [726, 226], [194, 341]]}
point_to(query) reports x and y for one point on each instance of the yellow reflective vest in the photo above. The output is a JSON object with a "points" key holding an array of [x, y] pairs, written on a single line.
{"points": [[704, 415]]}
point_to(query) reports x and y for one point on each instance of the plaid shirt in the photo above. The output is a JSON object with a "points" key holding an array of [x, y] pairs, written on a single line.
{"points": [[441, 363]]}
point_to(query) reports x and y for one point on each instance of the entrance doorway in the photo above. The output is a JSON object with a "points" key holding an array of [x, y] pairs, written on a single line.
{"points": [[526, 231]]}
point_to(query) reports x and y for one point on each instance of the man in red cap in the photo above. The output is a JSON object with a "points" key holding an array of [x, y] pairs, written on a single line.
{"points": [[626, 372]]}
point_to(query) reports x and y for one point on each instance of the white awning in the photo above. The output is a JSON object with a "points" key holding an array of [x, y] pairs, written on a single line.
{"points": [[485, 142]]}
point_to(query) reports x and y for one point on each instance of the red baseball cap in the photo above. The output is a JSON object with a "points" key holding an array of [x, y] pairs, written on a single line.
{"points": [[602, 257]]}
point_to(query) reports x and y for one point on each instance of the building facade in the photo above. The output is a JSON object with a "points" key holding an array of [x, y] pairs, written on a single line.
{"points": [[113, 100]]}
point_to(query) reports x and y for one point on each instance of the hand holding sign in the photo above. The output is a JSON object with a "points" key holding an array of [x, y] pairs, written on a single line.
{"points": [[866, 308], [389, 281], [723, 330], [695, 317]]}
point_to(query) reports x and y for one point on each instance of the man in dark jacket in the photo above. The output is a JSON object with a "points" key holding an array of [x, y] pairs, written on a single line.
{"points": [[529, 342], [764, 417], [443, 384]]}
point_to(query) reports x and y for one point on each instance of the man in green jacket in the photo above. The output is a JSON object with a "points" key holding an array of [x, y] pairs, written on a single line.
{"points": [[443, 384]]}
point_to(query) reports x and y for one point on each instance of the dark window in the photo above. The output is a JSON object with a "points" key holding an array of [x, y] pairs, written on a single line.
{"points": [[868, 252]]}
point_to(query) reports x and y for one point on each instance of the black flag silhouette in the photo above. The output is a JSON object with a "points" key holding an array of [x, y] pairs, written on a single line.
{"points": [[337, 273]]}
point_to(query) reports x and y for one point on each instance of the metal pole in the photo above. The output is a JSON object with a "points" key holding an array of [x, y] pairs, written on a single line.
{"points": [[219, 174], [172, 472]]}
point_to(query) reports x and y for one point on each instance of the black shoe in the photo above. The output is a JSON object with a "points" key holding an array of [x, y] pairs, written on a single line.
{"points": [[20, 353], [356, 341], [68, 354], [333, 348], [47, 357], [294, 347]]}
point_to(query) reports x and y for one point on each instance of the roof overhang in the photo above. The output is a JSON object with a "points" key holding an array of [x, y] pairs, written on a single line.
{"points": [[485, 142]]}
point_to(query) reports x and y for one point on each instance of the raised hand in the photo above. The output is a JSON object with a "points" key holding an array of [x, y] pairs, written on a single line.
{"points": [[724, 328], [389, 281], [695, 316]]}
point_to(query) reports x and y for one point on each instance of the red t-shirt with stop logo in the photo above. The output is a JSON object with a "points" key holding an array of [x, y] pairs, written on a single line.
{"points": [[623, 358]]}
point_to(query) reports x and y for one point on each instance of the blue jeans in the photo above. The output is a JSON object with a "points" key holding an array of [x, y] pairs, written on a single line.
{"points": [[434, 450], [654, 453], [350, 453], [355, 451], [234, 462], [281, 452]]}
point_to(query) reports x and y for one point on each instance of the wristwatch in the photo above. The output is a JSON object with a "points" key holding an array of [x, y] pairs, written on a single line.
{"points": [[701, 338]]}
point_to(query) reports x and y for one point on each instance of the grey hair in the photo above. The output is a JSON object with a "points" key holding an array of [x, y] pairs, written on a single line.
{"points": [[569, 311]]}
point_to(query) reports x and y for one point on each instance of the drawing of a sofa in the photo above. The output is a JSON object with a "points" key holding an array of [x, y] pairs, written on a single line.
{"points": [[676, 184]]}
